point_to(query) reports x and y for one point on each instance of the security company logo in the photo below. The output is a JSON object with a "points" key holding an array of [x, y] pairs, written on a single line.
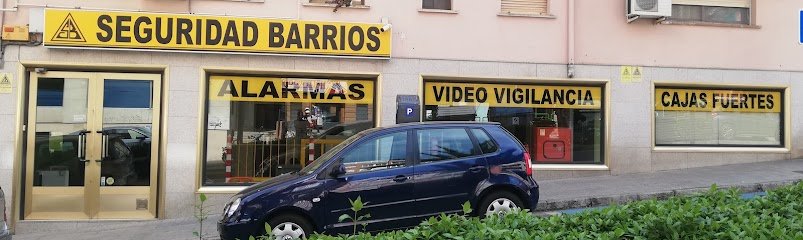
{"points": [[5, 80], [68, 32]]}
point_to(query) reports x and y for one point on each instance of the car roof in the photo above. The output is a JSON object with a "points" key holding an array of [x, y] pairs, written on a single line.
{"points": [[431, 124]]}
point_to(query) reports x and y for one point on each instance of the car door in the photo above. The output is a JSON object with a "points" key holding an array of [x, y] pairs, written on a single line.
{"points": [[379, 171], [449, 168]]}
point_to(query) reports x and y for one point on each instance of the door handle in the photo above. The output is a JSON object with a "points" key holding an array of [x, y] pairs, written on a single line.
{"points": [[82, 146], [400, 178], [104, 146], [476, 169]]}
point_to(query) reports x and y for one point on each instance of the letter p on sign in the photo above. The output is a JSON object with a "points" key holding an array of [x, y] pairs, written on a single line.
{"points": [[409, 111]]}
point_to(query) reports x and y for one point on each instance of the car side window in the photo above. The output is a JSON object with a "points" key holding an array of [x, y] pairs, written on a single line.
{"points": [[384, 152], [444, 144], [486, 144]]}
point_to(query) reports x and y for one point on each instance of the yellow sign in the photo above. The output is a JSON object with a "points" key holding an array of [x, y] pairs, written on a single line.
{"points": [[505, 95], [630, 74], [78, 28], [260, 89], [5, 82], [717, 100]]}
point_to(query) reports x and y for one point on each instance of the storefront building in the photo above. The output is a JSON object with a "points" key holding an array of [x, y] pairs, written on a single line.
{"points": [[128, 110]]}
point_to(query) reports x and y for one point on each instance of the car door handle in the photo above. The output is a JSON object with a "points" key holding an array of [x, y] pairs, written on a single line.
{"points": [[401, 178], [476, 169]]}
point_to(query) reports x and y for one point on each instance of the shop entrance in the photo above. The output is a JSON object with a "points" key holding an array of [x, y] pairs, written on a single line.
{"points": [[92, 146]]}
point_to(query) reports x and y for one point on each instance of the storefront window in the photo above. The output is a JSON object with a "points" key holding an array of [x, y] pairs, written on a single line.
{"points": [[260, 127], [718, 117], [557, 124]]}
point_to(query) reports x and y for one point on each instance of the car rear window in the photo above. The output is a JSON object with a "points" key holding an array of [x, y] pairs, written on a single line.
{"points": [[486, 144]]}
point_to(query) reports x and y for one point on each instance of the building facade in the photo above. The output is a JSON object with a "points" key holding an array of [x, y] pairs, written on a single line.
{"points": [[127, 110]]}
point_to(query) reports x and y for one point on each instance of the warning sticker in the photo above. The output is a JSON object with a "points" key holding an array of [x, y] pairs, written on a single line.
{"points": [[5, 83], [630, 74]]}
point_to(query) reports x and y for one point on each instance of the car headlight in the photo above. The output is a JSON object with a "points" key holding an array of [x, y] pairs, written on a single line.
{"points": [[233, 207]]}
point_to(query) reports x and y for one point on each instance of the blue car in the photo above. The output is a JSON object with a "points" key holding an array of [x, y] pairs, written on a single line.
{"points": [[404, 174]]}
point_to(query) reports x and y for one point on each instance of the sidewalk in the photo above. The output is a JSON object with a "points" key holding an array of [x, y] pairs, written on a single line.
{"points": [[555, 195], [605, 190]]}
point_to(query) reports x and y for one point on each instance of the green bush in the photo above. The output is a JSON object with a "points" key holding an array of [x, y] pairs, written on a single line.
{"points": [[715, 214]]}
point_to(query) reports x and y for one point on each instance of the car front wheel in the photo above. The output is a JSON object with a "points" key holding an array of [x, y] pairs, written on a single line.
{"points": [[289, 226], [499, 203]]}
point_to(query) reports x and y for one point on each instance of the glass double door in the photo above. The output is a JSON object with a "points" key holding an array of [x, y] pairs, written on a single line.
{"points": [[92, 146]]}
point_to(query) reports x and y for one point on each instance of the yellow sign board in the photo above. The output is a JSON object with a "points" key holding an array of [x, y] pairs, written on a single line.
{"points": [[717, 100], [129, 30], [261, 89], [507, 95]]}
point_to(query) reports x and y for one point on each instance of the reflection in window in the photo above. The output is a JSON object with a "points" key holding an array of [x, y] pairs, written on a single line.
{"points": [[384, 152], [127, 94], [50, 92], [264, 137], [443, 144]]}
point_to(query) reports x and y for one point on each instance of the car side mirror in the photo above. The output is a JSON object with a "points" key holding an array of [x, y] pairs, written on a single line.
{"points": [[338, 171]]}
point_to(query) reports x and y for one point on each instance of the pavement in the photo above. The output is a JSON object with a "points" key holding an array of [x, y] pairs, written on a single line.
{"points": [[564, 195]]}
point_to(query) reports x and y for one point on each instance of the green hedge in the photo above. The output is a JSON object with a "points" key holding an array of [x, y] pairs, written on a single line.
{"points": [[715, 214]]}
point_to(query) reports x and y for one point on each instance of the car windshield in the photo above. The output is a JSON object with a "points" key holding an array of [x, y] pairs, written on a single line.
{"points": [[315, 165]]}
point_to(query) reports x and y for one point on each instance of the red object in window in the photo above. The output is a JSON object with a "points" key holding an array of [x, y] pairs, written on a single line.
{"points": [[553, 145]]}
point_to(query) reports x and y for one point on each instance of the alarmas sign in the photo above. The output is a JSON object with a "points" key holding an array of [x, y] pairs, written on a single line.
{"points": [[74, 28]]}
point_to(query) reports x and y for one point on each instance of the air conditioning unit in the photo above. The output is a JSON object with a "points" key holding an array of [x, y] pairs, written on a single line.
{"points": [[649, 8]]}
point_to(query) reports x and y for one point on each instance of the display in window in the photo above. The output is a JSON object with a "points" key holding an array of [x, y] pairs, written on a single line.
{"points": [[255, 133], [557, 124]]}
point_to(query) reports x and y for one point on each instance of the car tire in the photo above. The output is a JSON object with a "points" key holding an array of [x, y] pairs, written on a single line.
{"points": [[499, 202], [290, 224]]}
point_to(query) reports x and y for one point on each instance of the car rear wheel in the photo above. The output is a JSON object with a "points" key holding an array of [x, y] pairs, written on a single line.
{"points": [[289, 226], [499, 203]]}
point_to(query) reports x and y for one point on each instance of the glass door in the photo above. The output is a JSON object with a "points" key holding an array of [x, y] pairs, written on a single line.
{"points": [[129, 118], [92, 150]]}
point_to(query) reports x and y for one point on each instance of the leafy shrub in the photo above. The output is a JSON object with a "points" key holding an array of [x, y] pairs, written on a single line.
{"points": [[715, 214]]}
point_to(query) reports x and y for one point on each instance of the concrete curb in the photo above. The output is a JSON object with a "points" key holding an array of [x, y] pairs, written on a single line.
{"points": [[587, 202]]}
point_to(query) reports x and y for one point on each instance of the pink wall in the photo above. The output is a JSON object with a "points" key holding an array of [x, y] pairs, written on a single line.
{"points": [[604, 37], [476, 32]]}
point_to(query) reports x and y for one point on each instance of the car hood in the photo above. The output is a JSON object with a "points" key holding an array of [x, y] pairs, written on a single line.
{"points": [[264, 185]]}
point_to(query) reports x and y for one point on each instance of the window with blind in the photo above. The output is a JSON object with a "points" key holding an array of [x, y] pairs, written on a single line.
{"points": [[713, 11], [525, 7], [353, 2], [437, 4]]}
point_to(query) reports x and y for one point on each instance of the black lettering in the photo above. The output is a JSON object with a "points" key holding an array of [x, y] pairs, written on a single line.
{"points": [[275, 36], [329, 34], [214, 32], [244, 89], [761, 101], [340, 95], [358, 93], [250, 33], [268, 89], [103, 24], [342, 35], [770, 101], [518, 97], [703, 100], [311, 35], [663, 99], [373, 44], [676, 100], [142, 35], [168, 31], [743, 101], [438, 94], [457, 94], [227, 88], [293, 37], [356, 46], [183, 31], [569, 98], [693, 100], [588, 99], [231, 34], [558, 96], [469, 94], [482, 95], [546, 99], [198, 32], [499, 96], [122, 28]]}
